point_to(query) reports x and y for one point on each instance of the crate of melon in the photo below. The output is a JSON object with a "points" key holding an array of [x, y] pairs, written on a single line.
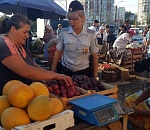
{"points": [[59, 89]]}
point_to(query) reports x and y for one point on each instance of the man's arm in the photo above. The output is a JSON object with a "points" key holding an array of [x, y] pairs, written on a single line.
{"points": [[95, 64], [145, 95]]}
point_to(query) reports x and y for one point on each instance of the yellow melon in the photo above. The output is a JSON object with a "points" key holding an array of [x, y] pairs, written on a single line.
{"points": [[13, 116], [58, 106], [4, 103], [40, 108], [130, 99], [20, 95], [9, 84], [39, 89]]}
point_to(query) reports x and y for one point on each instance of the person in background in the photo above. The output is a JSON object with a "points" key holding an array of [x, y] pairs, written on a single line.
{"points": [[124, 39], [48, 35], [58, 31], [76, 44], [110, 36], [29, 41], [15, 61], [94, 26], [121, 30], [127, 25], [147, 43], [145, 31], [101, 37]]}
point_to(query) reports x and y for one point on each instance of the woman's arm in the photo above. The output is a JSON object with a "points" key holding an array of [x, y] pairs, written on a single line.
{"points": [[36, 65], [20, 67]]}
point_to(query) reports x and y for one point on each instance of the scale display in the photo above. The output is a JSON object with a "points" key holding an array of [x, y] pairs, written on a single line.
{"points": [[106, 115]]}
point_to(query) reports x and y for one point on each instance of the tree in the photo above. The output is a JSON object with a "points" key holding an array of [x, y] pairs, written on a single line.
{"points": [[132, 17], [128, 14]]}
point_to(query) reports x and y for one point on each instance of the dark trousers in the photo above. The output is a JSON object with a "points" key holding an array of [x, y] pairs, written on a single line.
{"points": [[66, 71]]}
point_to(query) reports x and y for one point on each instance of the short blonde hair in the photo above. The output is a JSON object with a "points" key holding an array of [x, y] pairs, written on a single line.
{"points": [[77, 14]]}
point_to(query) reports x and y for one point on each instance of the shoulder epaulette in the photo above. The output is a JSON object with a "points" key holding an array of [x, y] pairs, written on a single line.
{"points": [[90, 31], [65, 29]]}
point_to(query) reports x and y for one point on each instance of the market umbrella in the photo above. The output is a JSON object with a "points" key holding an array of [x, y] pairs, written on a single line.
{"points": [[33, 9]]}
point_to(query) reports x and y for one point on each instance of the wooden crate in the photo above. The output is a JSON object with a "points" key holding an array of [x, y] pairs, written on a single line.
{"points": [[111, 90], [66, 100], [129, 64], [144, 125]]}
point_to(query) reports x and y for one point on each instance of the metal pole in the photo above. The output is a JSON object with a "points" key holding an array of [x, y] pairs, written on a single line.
{"points": [[101, 13], [116, 16], [66, 5]]}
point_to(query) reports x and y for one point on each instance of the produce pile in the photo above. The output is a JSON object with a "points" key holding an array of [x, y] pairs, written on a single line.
{"points": [[60, 89], [88, 83], [21, 104]]}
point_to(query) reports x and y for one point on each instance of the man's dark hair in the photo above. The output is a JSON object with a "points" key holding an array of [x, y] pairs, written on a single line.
{"points": [[107, 26], [96, 21]]}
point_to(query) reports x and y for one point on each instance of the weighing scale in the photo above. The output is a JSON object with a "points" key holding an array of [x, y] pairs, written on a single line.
{"points": [[96, 109]]}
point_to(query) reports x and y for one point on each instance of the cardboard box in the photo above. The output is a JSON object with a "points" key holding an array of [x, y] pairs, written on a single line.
{"points": [[60, 121]]}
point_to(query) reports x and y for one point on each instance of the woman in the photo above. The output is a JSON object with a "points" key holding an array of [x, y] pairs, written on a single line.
{"points": [[124, 39], [15, 61], [102, 38], [76, 44], [58, 31], [48, 35]]}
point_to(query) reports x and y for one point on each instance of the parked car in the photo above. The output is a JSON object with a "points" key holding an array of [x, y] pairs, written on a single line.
{"points": [[138, 39], [137, 30]]}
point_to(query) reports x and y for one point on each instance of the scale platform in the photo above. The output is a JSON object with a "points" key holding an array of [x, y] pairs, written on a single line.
{"points": [[95, 109]]}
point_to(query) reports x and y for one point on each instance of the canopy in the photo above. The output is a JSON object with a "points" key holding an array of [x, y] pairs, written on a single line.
{"points": [[33, 9]]}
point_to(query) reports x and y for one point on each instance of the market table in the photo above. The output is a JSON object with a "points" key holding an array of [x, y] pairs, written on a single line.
{"points": [[82, 125], [126, 87], [136, 84]]}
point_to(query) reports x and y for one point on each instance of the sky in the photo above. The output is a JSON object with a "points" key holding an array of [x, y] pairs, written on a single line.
{"points": [[130, 5]]}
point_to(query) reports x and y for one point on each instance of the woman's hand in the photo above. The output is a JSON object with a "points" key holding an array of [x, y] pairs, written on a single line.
{"points": [[67, 79]]}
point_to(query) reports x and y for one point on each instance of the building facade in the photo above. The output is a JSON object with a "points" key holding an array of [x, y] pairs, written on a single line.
{"points": [[102, 10], [121, 15], [143, 11]]}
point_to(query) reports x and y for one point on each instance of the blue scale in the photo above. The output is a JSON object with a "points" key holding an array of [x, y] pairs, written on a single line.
{"points": [[95, 109]]}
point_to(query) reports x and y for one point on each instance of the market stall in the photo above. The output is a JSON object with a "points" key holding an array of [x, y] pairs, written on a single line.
{"points": [[68, 119]]}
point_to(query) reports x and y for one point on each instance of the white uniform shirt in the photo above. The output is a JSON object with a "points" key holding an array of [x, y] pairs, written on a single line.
{"points": [[77, 48], [92, 28], [98, 34], [122, 41]]}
